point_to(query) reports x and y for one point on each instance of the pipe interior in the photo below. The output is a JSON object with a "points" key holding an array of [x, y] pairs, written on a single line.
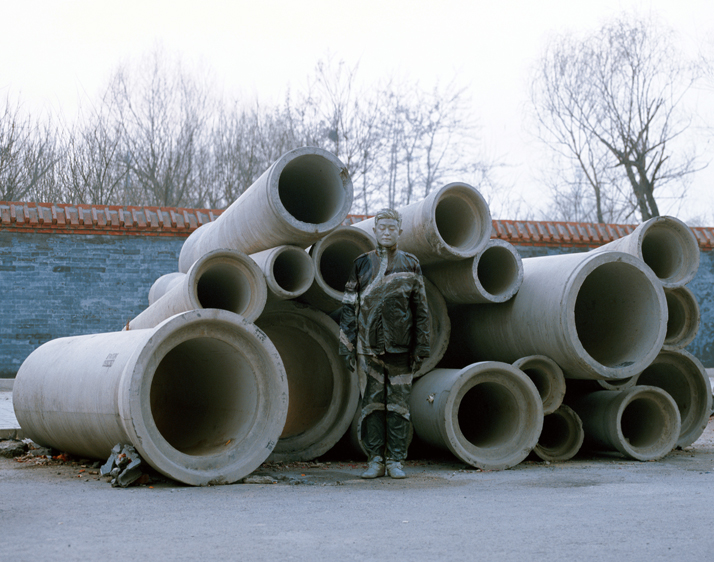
{"points": [[556, 431], [310, 377], [669, 377], [224, 286], [497, 270], [678, 317], [489, 415], [617, 314], [336, 262], [311, 189], [663, 251], [458, 222], [642, 423], [540, 379], [292, 270], [203, 395]]}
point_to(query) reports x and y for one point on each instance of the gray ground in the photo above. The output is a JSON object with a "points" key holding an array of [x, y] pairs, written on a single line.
{"points": [[593, 508]]}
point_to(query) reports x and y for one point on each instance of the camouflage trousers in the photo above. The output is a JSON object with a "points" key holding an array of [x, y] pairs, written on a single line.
{"points": [[384, 421]]}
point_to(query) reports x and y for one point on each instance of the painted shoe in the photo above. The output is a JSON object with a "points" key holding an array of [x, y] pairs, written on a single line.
{"points": [[375, 468], [395, 469]]}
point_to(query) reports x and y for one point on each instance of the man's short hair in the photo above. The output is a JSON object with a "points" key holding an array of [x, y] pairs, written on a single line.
{"points": [[389, 214]]}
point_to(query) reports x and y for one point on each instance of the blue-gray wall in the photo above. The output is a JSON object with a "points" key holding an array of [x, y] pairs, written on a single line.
{"points": [[56, 285]]}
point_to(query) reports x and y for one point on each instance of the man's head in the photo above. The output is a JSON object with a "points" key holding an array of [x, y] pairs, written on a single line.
{"points": [[387, 227]]}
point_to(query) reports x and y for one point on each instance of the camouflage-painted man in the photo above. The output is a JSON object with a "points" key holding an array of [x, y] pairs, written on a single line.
{"points": [[384, 333]]}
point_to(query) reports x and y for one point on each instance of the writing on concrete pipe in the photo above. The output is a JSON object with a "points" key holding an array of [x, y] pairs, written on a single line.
{"points": [[332, 257], [323, 392], [597, 315], [493, 275], [202, 397], [641, 422], [562, 435], [488, 414], [224, 279], [451, 223], [665, 244], [547, 377], [683, 317], [685, 379], [163, 284], [288, 270], [304, 194]]}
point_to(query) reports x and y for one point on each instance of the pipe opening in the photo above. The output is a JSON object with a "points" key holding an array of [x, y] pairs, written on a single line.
{"points": [[224, 286], [489, 415], [458, 222], [311, 189], [669, 378], [310, 380], [292, 271], [541, 380], [556, 431], [336, 262], [642, 423], [203, 394], [663, 251], [676, 318], [617, 314], [497, 270]]}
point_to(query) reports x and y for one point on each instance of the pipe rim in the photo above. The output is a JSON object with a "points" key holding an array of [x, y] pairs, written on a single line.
{"points": [[509, 273], [680, 245], [547, 377], [683, 317], [239, 457], [569, 445], [292, 272]]}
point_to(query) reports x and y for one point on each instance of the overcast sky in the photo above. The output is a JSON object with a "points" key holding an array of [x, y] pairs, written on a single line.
{"points": [[53, 52]]}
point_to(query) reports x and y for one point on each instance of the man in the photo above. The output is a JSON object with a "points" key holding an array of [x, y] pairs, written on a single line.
{"points": [[384, 332]]}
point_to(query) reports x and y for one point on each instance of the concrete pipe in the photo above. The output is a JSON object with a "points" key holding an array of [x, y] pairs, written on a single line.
{"points": [[332, 257], [323, 393], [304, 195], [439, 328], [641, 422], [451, 223], [493, 275], [488, 414], [288, 270], [685, 379], [163, 284], [202, 397], [562, 435], [580, 387], [547, 377], [224, 279], [667, 245], [597, 315], [683, 317]]}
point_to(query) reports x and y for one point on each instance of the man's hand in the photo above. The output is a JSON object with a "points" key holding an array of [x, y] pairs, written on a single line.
{"points": [[350, 361], [417, 362]]}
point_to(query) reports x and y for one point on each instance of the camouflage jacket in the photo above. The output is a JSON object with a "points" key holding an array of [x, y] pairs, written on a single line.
{"points": [[384, 309]]}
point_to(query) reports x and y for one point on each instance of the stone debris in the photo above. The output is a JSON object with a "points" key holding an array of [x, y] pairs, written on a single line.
{"points": [[124, 466], [12, 448]]}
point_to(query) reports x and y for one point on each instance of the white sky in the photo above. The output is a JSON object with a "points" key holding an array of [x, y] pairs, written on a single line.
{"points": [[52, 52]]}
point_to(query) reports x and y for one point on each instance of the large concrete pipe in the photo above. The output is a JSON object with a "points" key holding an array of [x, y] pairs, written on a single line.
{"points": [[493, 275], [667, 245], [323, 393], [163, 284], [641, 422], [488, 414], [451, 223], [224, 279], [202, 397], [439, 328], [561, 437], [333, 256], [685, 379], [547, 377], [288, 270], [304, 195], [597, 315], [682, 319]]}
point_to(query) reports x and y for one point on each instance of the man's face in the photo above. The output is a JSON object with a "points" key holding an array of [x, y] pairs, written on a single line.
{"points": [[387, 232]]}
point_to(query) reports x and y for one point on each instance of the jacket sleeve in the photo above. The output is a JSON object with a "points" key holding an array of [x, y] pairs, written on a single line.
{"points": [[348, 318], [422, 325]]}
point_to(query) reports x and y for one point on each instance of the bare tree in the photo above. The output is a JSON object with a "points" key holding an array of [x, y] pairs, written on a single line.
{"points": [[611, 104]]}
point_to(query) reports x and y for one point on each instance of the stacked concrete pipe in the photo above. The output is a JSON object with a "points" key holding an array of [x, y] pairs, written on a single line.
{"points": [[682, 319], [323, 393], [289, 271], [641, 422], [562, 435], [597, 315], [333, 256], [202, 397], [547, 377], [665, 244], [685, 379], [488, 414], [304, 195], [163, 284], [451, 223], [493, 275], [223, 279]]}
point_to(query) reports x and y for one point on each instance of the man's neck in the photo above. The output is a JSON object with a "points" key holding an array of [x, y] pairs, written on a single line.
{"points": [[390, 252]]}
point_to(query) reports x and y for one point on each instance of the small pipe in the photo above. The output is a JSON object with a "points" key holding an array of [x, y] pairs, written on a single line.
{"points": [[562, 435], [288, 270], [682, 319], [163, 284], [547, 377]]}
